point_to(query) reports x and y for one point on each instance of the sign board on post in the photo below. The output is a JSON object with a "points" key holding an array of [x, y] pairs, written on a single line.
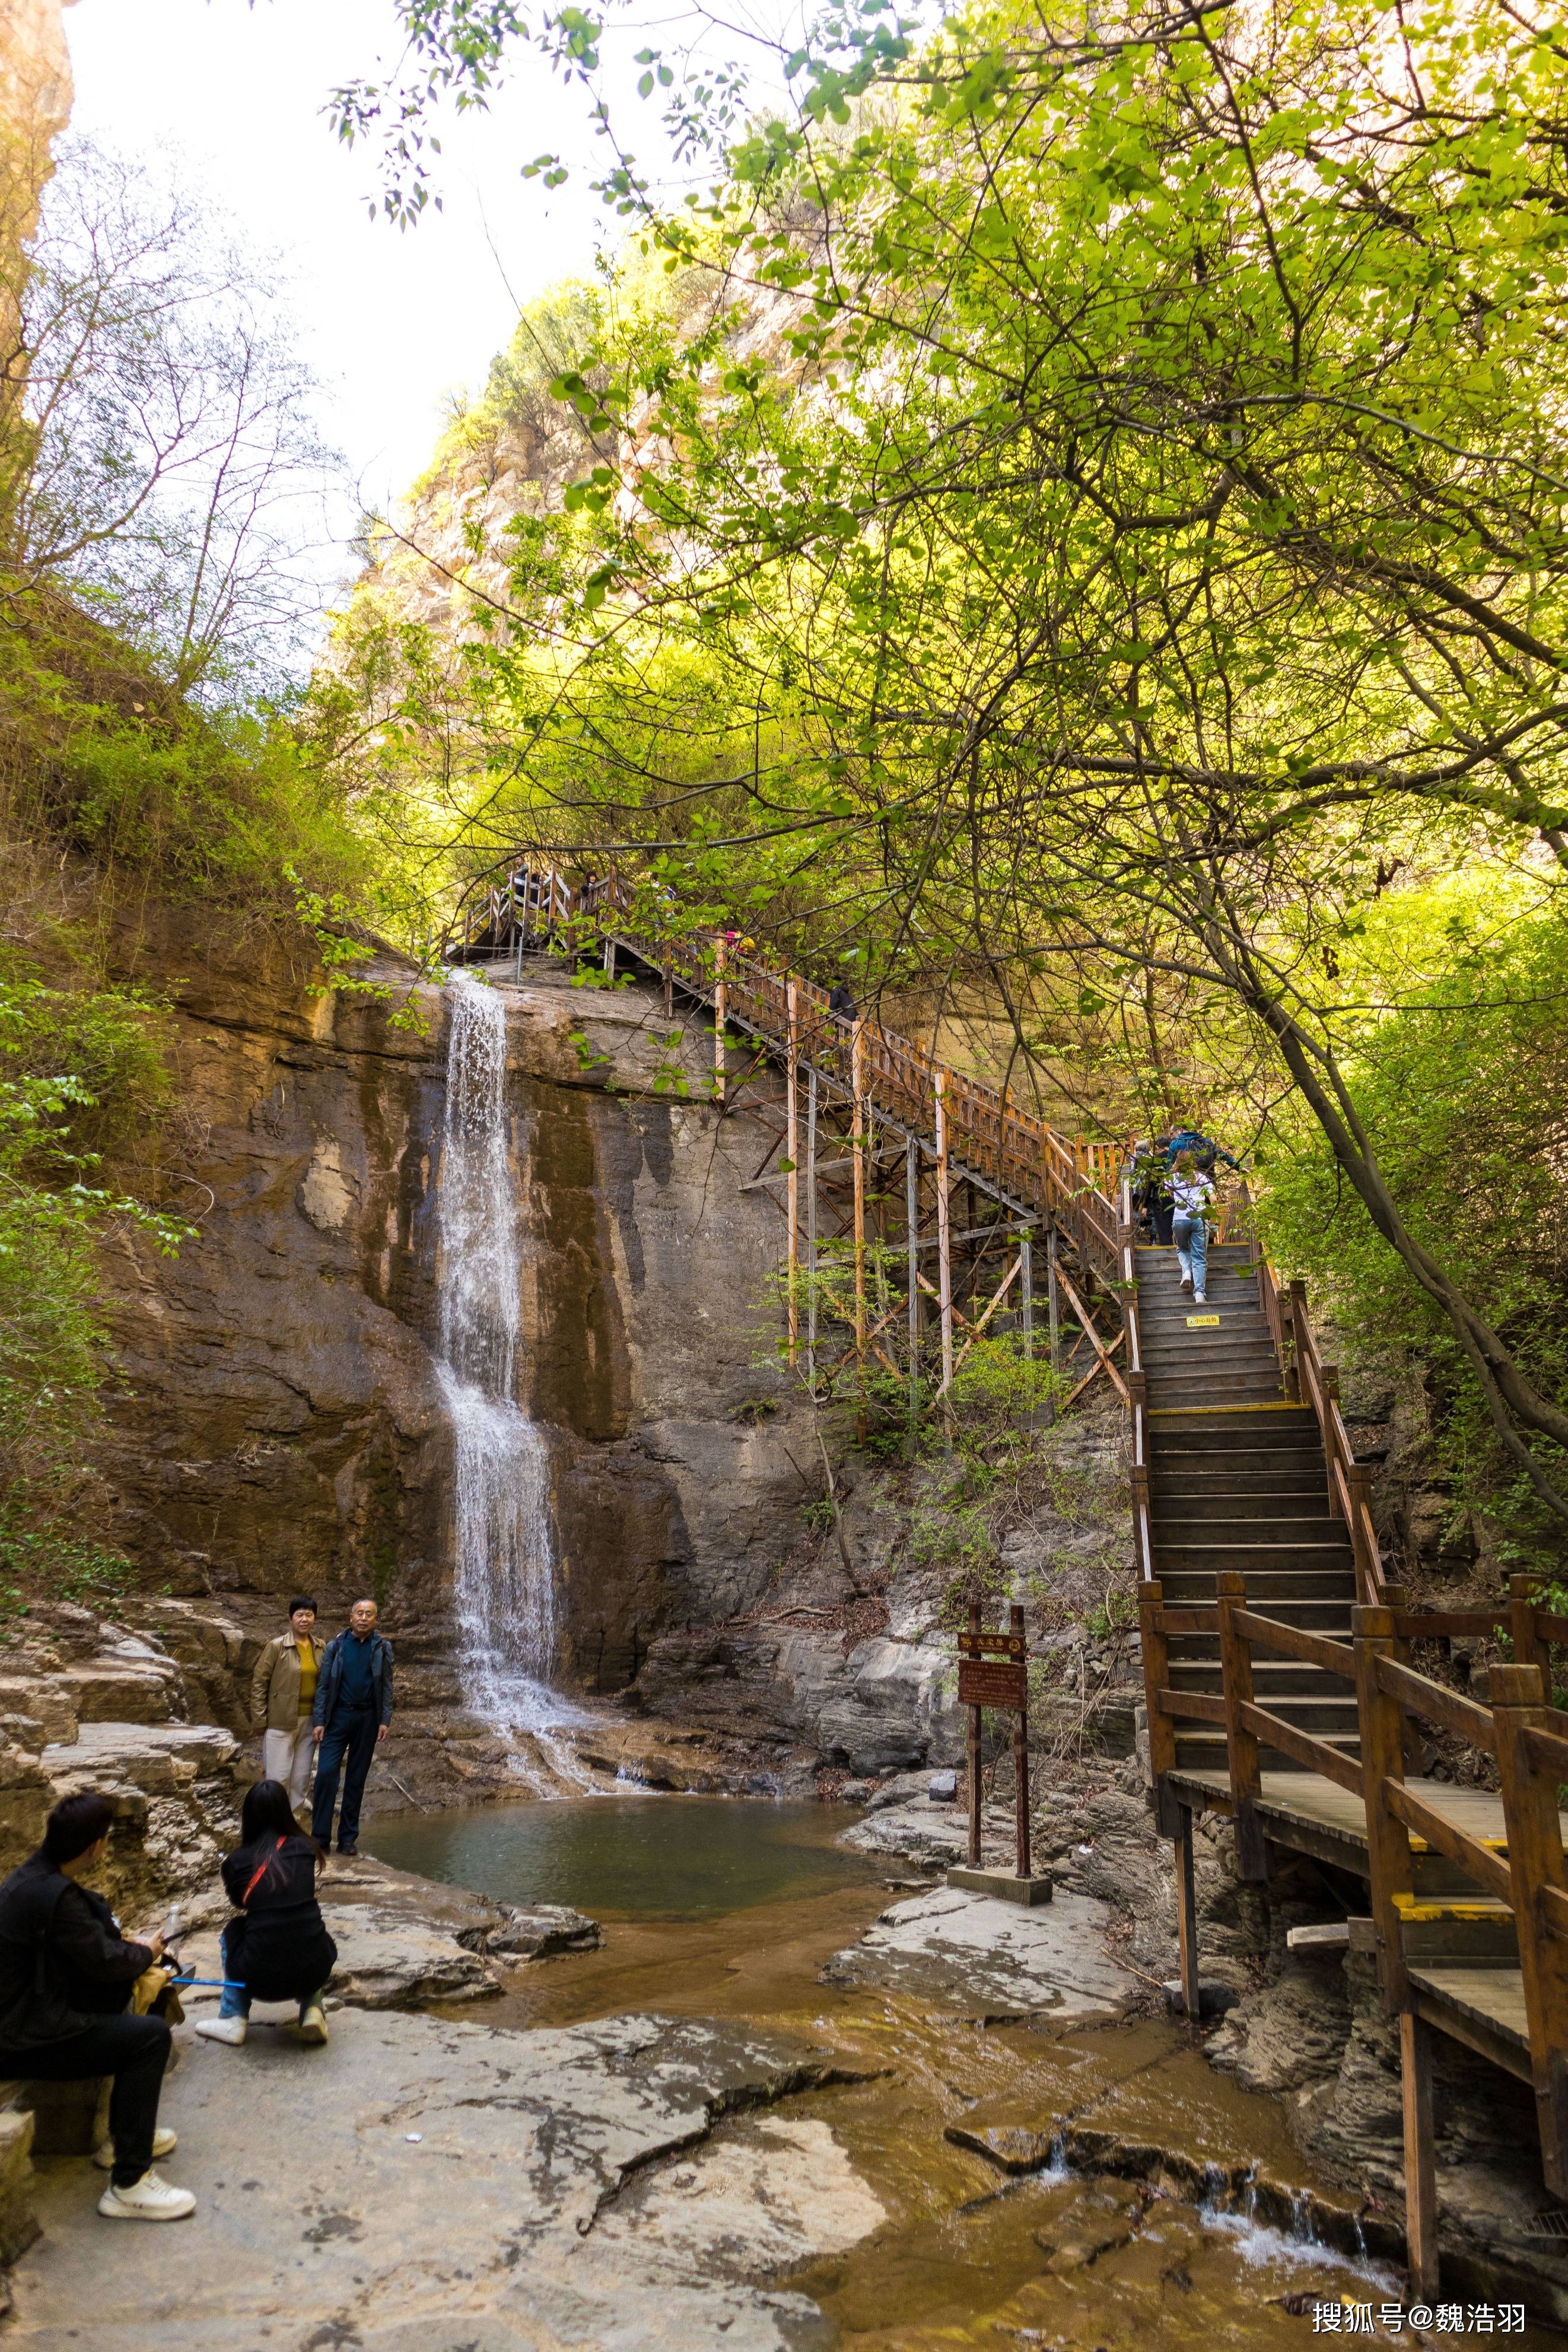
{"points": [[993, 1670], [994, 1682]]}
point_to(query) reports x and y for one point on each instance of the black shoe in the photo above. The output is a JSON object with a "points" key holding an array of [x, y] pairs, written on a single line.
{"points": [[347, 1849]]}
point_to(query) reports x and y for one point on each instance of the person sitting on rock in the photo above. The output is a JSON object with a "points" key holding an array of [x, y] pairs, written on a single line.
{"points": [[278, 1948], [66, 1976], [352, 1710], [282, 1696]]}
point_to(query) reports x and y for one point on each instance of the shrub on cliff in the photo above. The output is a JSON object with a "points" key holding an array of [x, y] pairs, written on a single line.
{"points": [[81, 1071]]}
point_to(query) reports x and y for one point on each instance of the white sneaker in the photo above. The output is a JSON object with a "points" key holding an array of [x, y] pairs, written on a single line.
{"points": [[164, 2143], [1200, 1298], [147, 2199], [1185, 1282], [222, 2028], [313, 2026]]}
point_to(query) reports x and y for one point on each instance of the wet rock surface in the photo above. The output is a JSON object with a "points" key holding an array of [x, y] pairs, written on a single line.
{"points": [[993, 1959], [405, 1943], [458, 2185]]}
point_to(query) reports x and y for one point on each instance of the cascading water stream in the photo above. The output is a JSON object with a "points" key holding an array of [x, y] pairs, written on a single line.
{"points": [[504, 1576]]}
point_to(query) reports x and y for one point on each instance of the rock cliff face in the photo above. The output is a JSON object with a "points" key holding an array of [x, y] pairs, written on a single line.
{"points": [[280, 1424]]}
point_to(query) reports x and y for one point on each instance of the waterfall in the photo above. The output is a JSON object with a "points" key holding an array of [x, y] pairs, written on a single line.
{"points": [[504, 1549]]}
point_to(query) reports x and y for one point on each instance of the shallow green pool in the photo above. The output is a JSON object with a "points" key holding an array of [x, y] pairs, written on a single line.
{"points": [[631, 1857]]}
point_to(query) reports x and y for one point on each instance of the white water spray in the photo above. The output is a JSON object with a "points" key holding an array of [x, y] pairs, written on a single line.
{"points": [[505, 1563]]}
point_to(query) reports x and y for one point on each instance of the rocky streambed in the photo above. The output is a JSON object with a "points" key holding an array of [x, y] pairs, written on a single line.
{"points": [[829, 2111]]}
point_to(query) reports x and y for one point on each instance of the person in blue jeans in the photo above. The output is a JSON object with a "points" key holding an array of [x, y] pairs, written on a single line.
{"points": [[352, 1711], [276, 1947], [1192, 1188]]}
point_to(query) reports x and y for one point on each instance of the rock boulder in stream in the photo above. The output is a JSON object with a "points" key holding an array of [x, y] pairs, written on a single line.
{"points": [[993, 1959]]}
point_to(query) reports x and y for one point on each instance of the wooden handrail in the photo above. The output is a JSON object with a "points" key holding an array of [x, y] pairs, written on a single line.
{"points": [[1477, 1861], [1317, 1755], [1547, 1751], [1292, 1642], [1067, 1180], [1195, 1706], [1418, 1695]]}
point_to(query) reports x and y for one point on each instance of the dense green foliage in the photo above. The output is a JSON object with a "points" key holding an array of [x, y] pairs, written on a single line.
{"points": [[1465, 1087], [1103, 535]]}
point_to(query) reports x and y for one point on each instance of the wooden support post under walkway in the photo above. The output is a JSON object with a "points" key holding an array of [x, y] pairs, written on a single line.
{"points": [[1020, 1758], [1053, 1299], [943, 1249], [912, 1223], [1187, 1914], [1420, 2170], [720, 993], [791, 1151], [974, 1714], [811, 1228], [858, 1147]]}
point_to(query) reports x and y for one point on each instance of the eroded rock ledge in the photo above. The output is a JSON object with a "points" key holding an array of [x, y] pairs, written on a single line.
{"points": [[421, 2181]]}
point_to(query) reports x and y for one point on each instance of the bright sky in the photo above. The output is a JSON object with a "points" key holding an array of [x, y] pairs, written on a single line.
{"points": [[390, 321]]}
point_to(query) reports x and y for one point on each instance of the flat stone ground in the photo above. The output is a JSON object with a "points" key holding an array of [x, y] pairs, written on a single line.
{"points": [[563, 2191], [426, 2185]]}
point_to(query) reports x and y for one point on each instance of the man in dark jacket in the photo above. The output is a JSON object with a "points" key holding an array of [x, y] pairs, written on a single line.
{"points": [[66, 1979], [352, 1709]]}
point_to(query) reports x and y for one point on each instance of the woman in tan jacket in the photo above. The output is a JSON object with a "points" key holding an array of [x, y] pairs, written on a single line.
{"points": [[282, 1693]]}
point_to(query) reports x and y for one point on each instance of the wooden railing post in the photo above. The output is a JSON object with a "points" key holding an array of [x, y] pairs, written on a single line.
{"points": [[1535, 1861], [1529, 1649], [1358, 1478], [1157, 1679], [719, 996], [1381, 1758], [1328, 1389], [1285, 1302], [1240, 1744]]}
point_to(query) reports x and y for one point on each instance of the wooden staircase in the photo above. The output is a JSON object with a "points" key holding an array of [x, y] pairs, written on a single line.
{"points": [[1239, 1486]]}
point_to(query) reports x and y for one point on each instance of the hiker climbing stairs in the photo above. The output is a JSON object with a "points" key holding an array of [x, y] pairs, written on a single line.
{"points": [[1239, 1484]]}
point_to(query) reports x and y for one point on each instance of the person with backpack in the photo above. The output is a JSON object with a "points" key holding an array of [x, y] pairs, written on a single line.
{"points": [[1192, 1190], [1203, 1148], [277, 1947], [67, 1981]]}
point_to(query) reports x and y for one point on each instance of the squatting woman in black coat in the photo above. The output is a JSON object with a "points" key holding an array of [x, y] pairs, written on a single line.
{"points": [[277, 1947]]}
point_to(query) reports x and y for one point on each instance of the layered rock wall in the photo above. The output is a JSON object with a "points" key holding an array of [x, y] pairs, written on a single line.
{"points": [[279, 1424]]}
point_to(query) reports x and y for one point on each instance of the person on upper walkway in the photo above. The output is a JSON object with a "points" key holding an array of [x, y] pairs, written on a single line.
{"points": [[1203, 1148], [841, 1003], [352, 1710], [1192, 1190], [1154, 1172], [277, 1947], [67, 1978], [282, 1697]]}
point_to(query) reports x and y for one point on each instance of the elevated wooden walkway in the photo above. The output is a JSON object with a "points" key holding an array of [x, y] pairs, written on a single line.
{"points": [[954, 1129], [1279, 1691], [1277, 1667]]}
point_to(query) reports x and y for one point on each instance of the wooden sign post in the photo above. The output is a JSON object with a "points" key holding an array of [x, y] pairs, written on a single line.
{"points": [[993, 1670]]}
